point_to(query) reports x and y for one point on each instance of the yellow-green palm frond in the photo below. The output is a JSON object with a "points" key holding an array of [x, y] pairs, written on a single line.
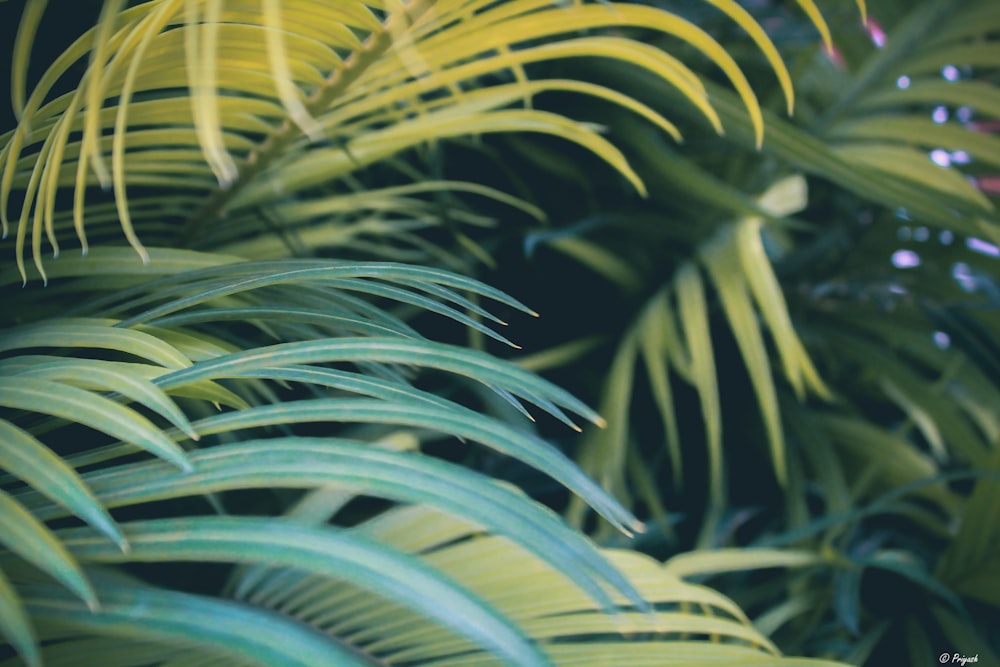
{"points": [[672, 336], [233, 104]]}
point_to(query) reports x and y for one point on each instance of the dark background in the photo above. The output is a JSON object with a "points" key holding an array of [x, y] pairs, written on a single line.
{"points": [[64, 20]]}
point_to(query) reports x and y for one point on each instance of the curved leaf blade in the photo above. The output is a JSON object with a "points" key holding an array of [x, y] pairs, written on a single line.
{"points": [[15, 625], [454, 421], [226, 629], [90, 409], [25, 536], [29, 460], [92, 333], [475, 365], [300, 462], [94, 374], [334, 554]]}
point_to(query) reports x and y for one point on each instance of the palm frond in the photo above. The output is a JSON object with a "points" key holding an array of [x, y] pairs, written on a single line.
{"points": [[134, 392], [169, 89], [693, 622], [127, 375], [886, 290], [741, 272]]}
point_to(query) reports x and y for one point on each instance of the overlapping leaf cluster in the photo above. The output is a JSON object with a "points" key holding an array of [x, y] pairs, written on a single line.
{"points": [[233, 389], [854, 257]]}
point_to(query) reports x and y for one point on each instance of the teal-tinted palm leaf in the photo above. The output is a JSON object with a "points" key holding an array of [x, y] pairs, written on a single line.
{"points": [[140, 624], [456, 615], [129, 387]]}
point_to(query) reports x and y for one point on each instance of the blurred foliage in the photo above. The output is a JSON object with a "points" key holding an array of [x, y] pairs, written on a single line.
{"points": [[760, 239], [795, 347]]}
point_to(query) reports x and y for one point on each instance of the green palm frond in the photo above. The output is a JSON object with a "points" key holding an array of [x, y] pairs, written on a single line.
{"points": [[876, 135], [893, 170], [888, 104], [685, 623], [667, 338], [153, 369], [886, 309], [171, 99], [157, 383], [969, 563]]}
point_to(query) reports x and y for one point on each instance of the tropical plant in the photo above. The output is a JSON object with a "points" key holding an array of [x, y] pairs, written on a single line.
{"points": [[230, 443], [812, 328]]}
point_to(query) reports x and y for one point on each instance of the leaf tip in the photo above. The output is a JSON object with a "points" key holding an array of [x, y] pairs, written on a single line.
{"points": [[632, 528], [90, 599]]}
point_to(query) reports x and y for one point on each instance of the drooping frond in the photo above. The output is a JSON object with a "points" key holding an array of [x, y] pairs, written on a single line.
{"points": [[368, 591], [676, 339], [177, 97], [124, 363]]}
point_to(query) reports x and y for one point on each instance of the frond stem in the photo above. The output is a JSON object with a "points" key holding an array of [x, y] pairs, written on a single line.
{"points": [[375, 47]]}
